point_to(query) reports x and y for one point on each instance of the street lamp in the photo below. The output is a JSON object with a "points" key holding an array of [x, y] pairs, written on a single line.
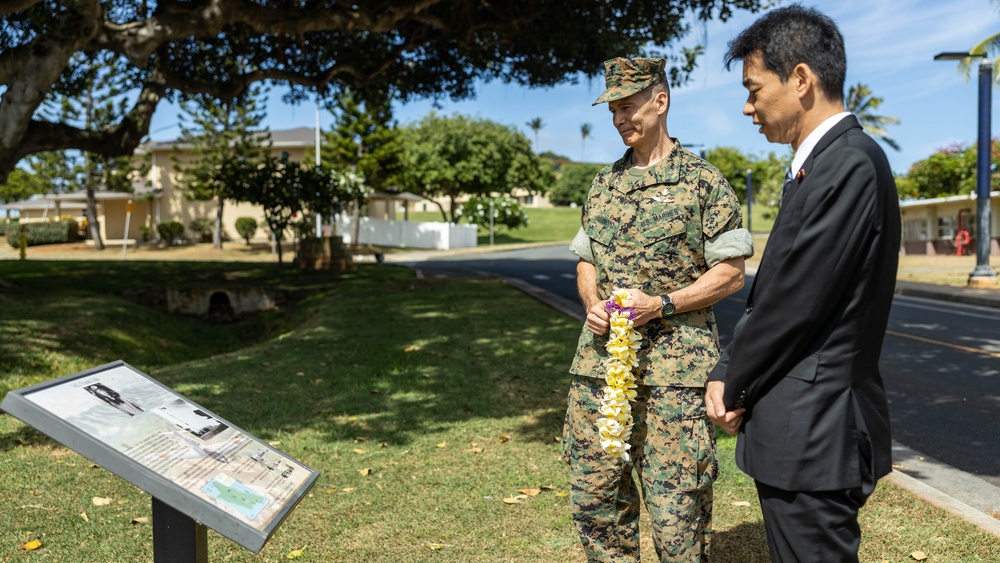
{"points": [[982, 275]]}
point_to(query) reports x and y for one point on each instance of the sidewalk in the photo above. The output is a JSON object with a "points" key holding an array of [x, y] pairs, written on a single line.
{"points": [[968, 296]]}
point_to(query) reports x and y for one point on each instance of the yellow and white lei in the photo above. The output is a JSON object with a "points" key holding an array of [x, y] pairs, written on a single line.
{"points": [[615, 424]]}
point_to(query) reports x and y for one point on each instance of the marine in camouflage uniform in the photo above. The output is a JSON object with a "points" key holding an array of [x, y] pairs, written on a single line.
{"points": [[657, 231]]}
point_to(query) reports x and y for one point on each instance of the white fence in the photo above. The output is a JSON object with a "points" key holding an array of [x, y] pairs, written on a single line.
{"points": [[408, 234]]}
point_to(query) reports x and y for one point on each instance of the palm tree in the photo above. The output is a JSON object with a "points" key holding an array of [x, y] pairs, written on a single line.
{"points": [[989, 47], [535, 125], [863, 105], [584, 133]]}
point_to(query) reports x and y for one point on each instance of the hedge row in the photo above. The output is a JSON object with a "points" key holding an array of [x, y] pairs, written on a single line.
{"points": [[50, 232]]}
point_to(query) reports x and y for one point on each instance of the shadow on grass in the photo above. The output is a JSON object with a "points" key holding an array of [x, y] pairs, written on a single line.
{"points": [[71, 315], [743, 543], [390, 359], [23, 436]]}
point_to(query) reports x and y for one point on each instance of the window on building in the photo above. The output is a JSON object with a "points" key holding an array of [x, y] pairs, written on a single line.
{"points": [[947, 227], [915, 229]]}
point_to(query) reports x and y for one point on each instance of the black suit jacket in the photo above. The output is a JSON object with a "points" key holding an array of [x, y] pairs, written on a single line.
{"points": [[804, 356]]}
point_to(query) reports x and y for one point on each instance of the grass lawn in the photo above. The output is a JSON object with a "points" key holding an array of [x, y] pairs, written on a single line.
{"points": [[451, 392]]}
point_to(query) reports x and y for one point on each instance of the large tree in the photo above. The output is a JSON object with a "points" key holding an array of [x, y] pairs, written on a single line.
{"points": [[219, 130], [454, 156], [407, 47], [949, 171], [768, 175], [365, 141], [573, 183], [863, 105], [988, 47]]}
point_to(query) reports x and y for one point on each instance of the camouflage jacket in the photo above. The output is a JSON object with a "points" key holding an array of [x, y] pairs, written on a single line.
{"points": [[650, 235]]}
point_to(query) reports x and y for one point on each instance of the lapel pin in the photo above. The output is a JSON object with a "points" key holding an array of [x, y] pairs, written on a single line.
{"points": [[801, 174]]}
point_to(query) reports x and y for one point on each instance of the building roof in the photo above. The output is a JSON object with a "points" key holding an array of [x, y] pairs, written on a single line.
{"points": [[280, 138], [934, 201], [39, 204]]}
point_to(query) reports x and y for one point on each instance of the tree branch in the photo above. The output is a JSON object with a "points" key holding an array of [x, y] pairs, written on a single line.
{"points": [[138, 40], [12, 61], [14, 6], [118, 140]]}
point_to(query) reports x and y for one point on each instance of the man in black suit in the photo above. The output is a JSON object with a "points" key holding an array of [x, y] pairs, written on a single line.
{"points": [[800, 381]]}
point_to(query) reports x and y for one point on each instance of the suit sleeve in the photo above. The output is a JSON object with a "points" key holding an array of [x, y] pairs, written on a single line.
{"points": [[806, 290]]}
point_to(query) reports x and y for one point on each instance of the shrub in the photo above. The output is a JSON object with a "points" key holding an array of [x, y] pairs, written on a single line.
{"points": [[506, 212], [50, 232], [202, 227], [170, 231], [6, 226], [246, 227]]}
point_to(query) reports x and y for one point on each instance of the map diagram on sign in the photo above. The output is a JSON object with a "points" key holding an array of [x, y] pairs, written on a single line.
{"points": [[235, 495]]}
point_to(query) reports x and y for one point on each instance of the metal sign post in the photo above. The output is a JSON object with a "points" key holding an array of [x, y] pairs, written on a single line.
{"points": [[176, 537]]}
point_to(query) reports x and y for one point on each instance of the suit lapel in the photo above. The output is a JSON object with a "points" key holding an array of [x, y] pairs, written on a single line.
{"points": [[839, 129]]}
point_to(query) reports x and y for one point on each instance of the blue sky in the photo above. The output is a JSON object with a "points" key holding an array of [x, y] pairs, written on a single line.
{"points": [[890, 47]]}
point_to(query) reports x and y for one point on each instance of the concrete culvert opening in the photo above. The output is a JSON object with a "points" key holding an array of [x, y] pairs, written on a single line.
{"points": [[220, 305]]}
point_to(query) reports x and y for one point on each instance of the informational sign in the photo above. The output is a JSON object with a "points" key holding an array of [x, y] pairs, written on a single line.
{"points": [[170, 447]]}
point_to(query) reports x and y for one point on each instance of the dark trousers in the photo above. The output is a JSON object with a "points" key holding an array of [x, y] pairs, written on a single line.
{"points": [[811, 526]]}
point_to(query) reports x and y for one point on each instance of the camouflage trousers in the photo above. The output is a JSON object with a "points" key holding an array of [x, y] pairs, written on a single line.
{"points": [[673, 455]]}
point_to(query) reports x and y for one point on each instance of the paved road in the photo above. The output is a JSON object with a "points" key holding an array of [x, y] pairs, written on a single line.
{"points": [[941, 361]]}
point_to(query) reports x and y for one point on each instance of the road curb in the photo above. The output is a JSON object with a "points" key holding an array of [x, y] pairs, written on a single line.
{"points": [[967, 296]]}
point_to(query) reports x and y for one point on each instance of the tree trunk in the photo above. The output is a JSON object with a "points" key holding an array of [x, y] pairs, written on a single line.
{"points": [[277, 239], [451, 201], [92, 223], [444, 214], [217, 230]]}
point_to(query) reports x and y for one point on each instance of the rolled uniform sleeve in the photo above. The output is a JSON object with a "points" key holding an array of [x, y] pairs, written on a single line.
{"points": [[581, 246], [727, 245]]}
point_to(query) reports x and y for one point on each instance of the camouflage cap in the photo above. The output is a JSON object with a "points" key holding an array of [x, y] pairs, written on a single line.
{"points": [[625, 77]]}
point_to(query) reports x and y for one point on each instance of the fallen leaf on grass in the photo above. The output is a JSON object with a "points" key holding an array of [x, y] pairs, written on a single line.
{"points": [[140, 520], [530, 492], [438, 545], [360, 439], [562, 494], [275, 443], [32, 545], [411, 348], [557, 439], [84, 516], [504, 438], [365, 471], [547, 488], [100, 501], [918, 555], [512, 500], [295, 553], [476, 450], [442, 445], [347, 489], [741, 503], [359, 451]]}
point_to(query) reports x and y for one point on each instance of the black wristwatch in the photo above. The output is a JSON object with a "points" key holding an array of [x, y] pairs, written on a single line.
{"points": [[667, 308]]}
